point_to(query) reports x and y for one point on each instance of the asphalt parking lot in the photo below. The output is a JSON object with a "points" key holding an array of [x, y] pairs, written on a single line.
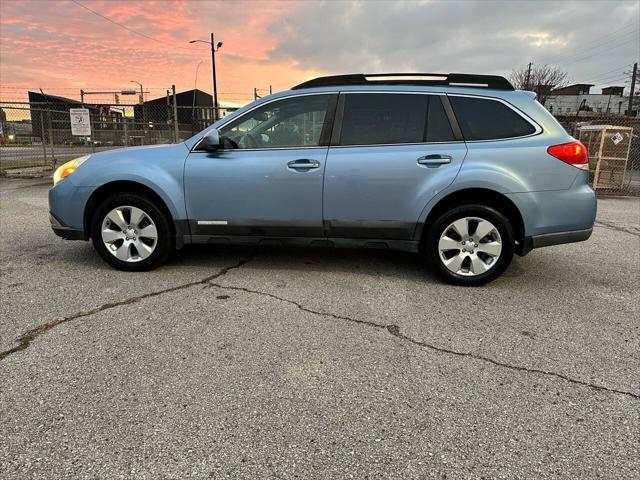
{"points": [[280, 363]]}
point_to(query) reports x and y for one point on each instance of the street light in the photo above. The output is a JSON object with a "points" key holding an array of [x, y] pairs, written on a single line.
{"points": [[144, 126], [193, 106], [214, 48], [141, 92]]}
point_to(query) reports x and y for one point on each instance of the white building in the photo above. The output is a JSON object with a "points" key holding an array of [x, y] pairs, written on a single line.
{"points": [[567, 100]]}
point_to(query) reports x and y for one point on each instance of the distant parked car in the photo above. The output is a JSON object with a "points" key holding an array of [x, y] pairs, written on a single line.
{"points": [[460, 168]]}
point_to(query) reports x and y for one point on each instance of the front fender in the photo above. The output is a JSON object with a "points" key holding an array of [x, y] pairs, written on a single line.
{"points": [[169, 189], [159, 168]]}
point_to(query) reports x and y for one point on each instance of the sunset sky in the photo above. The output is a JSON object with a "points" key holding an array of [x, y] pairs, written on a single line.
{"points": [[61, 47]]}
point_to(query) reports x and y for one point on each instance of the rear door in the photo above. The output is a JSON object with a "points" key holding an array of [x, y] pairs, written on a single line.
{"points": [[390, 154]]}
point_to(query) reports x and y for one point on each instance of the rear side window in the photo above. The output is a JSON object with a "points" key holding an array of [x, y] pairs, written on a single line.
{"points": [[483, 119], [371, 119], [438, 126], [385, 118]]}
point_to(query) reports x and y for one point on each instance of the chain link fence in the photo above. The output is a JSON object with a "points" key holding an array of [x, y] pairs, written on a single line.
{"points": [[34, 134], [38, 134], [613, 142]]}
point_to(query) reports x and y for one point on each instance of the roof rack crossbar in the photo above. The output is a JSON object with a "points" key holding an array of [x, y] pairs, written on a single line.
{"points": [[494, 82]]}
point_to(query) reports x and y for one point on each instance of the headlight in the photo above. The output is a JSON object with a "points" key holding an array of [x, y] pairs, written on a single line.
{"points": [[68, 168]]}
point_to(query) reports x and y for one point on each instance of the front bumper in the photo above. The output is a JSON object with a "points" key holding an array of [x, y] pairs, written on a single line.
{"points": [[556, 238], [66, 207], [64, 231]]}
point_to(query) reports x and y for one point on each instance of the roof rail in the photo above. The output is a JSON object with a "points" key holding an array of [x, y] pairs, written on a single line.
{"points": [[449, 79]]}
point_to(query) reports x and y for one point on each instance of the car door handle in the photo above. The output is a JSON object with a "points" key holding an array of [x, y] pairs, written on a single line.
{"points": [[434, 160], [303, 164]]}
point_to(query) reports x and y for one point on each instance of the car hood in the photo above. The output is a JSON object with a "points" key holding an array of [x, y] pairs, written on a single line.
{"points": [[140, 152]]}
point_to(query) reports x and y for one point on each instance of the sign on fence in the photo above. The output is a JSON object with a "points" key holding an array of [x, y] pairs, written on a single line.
{"points": [[80, 123]]}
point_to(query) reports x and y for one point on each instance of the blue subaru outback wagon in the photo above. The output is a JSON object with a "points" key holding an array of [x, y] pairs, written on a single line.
{"points": [[462, 169]]}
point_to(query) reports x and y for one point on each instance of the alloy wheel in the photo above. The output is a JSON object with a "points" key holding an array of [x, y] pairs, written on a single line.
{"points": [[129, 234], [470, 246]]}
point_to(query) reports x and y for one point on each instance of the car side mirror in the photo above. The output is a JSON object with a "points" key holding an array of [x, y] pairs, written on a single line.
{"points": [[211, 141]]}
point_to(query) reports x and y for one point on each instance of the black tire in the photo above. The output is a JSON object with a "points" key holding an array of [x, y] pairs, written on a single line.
{"points": [[445, 219], [164, 243]]}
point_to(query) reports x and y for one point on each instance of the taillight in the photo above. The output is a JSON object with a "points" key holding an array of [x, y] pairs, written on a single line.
{"points": [[573, 153]]}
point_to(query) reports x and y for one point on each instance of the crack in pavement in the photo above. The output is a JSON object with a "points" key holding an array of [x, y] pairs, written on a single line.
{"points": [[24, 341], [612, 226], [26, 338], [395, 331]]}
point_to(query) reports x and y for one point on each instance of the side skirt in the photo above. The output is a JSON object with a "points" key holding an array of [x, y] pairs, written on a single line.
{"points": [[385, 244]]}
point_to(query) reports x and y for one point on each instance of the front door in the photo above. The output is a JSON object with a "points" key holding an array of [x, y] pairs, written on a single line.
{"points": [[267, 179], [392, 154]]}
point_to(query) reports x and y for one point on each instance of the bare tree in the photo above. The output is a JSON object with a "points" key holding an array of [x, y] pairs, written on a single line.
{"points": [[542, 79]]}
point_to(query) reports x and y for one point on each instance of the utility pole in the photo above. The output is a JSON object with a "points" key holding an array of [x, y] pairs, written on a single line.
{"points": [[270, 90], [633, 87], [215, 86], [528, 76], [214, 48]]}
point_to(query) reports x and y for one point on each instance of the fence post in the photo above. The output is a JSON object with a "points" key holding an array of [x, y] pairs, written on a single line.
{"points": [[175, 114], [53, 153], [126, 131], [44, 143]]}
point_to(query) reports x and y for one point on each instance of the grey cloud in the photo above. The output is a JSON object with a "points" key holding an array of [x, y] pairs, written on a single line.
{"points": [[340, 37]]}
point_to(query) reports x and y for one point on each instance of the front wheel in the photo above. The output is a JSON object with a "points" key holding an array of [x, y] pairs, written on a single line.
{"points": [[470, 245], [131, 233]]}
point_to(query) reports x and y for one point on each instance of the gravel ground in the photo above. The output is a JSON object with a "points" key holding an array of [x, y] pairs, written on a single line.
{"points": [[237, 363]]}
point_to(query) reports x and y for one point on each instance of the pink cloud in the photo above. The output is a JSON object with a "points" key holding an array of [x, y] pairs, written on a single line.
{"points": [[60, 45]]}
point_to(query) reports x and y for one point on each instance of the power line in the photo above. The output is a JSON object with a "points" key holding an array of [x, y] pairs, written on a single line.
{"points": [[579, 59], [598, 41], [606, 64], [131, 30], [611, 44], [119, 24], [603, 75], [609, 79], [612, 80]]}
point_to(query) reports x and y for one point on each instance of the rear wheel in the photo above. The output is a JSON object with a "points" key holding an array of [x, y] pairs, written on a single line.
{"points": [[470, 245], [131, 233]]}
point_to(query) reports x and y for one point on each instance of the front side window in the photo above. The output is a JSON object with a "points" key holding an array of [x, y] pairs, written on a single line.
{"points": [[389, 118], [484, 119], [286, 123]]}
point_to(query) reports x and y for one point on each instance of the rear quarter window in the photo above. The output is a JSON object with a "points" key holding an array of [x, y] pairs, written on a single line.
{"points": [[484, 119]]}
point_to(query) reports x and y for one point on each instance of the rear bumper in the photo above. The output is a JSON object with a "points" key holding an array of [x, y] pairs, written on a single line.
{"points": [[559, 238], [556, 238]]}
